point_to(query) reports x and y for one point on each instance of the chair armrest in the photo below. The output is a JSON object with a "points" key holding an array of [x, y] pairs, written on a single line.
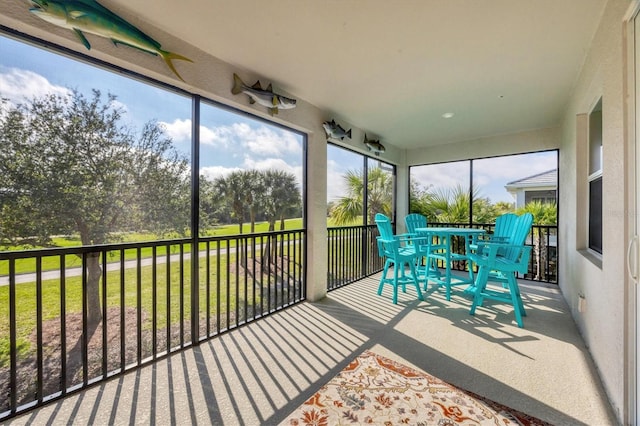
{"points": [[492, 255]]}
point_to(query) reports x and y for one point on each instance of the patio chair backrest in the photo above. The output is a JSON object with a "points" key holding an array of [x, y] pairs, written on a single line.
{"points": [[504, 227], [519, 232], [413, 221], [388, 245], [384, 226]]}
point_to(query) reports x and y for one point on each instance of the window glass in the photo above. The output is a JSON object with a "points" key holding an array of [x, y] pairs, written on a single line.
{"points": [[345, 187], [595, 178], [250, 174], [89, 156], [500, 184], [441, 191], [380, 185], [516, 183]]}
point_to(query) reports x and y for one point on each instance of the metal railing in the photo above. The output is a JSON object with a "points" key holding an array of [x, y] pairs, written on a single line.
{"points": [[543, 262], [73, 317], [352, 254]]}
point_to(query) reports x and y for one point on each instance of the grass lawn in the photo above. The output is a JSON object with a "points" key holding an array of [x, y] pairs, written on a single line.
{"points": [[52, 263]]}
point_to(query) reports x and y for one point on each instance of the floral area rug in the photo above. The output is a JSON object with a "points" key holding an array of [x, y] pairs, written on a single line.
{"points": [[376, 390]]}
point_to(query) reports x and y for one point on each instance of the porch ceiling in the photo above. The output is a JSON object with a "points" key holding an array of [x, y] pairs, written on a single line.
{"points": [[393, 68]]}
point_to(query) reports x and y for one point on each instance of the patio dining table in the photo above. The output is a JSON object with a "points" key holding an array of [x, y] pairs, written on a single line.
{"points": [[444, 235]]}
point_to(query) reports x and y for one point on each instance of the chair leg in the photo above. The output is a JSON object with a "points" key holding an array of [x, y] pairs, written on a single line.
{"points": [[481, 283], [384, 276], [395, 282], [415, 280], [516, 300]]}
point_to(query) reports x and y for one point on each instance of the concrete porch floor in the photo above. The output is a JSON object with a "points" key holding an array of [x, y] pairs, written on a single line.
{"points": [[261, 372]]}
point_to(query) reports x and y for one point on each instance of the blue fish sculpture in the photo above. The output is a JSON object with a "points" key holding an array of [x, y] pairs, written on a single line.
{"points": [[264, 97], [334, 130], [374, 145], [88, 16]]}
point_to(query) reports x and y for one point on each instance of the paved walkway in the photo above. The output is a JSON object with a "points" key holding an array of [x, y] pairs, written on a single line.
{"points": [[115, 266]]}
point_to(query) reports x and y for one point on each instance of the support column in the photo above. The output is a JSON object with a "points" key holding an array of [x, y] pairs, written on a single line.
{"points": [[316, 216]]}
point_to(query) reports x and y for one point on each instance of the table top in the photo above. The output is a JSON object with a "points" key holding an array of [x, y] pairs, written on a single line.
{"points": [[450, 230]]}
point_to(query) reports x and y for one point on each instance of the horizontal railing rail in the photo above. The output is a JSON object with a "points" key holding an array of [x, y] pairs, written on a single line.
{"points": [[352, 254], [76, 316]]}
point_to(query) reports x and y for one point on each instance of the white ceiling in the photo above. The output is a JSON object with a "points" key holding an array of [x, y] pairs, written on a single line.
{"points": [[393, 67]]}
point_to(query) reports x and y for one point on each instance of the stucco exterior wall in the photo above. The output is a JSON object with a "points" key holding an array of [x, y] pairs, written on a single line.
{"points": [[515, 143], [599, 279]]}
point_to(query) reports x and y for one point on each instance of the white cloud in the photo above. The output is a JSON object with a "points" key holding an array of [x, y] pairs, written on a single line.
{"points": [[179, 130], [336, 186], [261, 141], [270, 142], [446, 175], [513, 167], [213, 172], [274, 164], [20, 85]]}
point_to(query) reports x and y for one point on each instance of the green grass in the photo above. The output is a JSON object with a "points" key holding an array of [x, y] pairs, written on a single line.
{"points": [[52, 263]]}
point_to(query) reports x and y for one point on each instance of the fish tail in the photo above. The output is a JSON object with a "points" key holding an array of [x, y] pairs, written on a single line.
{"points": [[170, 56], [238, 84], [348, 134]]}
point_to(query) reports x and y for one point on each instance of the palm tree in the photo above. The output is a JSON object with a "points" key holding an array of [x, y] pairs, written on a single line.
{"points": [[543, 214], [231, 189], [280, 194], [254, 187], [348, 208]]}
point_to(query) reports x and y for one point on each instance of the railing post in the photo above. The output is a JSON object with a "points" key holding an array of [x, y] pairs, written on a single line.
{"points": [[195, 221]]}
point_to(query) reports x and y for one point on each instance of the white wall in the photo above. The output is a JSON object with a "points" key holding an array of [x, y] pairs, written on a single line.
{"points": [[515, 143], [600, 280]]}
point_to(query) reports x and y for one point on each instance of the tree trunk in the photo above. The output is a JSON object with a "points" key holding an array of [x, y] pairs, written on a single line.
{"points": [[94, 273], [542, 255]]}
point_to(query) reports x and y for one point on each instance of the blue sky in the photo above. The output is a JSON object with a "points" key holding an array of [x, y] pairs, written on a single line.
{"points": [[229, 141]]}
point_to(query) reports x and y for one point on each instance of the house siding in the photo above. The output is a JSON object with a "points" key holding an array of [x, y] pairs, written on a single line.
{"points": [[601, 281]]}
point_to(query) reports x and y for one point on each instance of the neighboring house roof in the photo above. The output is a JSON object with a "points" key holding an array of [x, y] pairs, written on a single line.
{"points": [[544, 179]]}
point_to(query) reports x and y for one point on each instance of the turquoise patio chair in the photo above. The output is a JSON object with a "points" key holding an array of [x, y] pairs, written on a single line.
{"points": [[426, 265], [414, 221], [398, 252], [499, 261], [501, 231], [509, 229]]}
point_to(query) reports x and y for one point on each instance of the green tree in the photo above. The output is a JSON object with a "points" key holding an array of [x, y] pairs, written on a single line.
{"points": [[349, 208], [502, 207], [451, 205], [68, 164], [231, 190], [448, 205], [280, 196], [419, 199], [483, 210], [211, 205]]}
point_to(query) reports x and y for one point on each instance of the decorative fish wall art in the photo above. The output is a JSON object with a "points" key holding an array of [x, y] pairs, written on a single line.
{"points": [[334, 130], [374, 145], [264, 97], [88, 16]]}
